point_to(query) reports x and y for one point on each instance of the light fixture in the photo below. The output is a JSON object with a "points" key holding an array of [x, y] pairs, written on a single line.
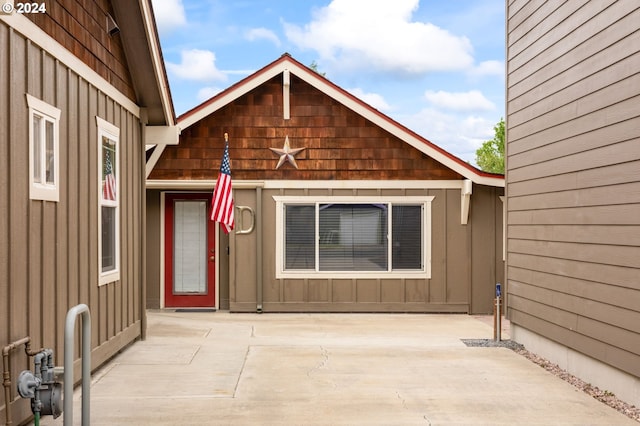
{"points": [[112, 27]]}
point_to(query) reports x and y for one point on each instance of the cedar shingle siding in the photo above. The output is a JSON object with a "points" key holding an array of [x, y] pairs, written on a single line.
{"points": [[340, 144]]}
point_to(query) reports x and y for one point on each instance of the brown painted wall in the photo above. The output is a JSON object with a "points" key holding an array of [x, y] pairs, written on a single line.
{"points": [[573, 175], [81, 27], [486, 222], [340, 144], [460, 255], [49, 250], [153, 223]]}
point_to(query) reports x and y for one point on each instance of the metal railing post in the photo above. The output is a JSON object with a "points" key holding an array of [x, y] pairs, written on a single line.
{"points": [[69, 332], [498, 317]]}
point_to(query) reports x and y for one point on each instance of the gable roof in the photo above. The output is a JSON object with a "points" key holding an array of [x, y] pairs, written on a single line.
{"points": [[286, 62]]}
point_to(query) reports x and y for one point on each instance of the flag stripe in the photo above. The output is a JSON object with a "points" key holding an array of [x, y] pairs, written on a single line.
{"points": [[109, 188], [109, 183], [222, 201]]}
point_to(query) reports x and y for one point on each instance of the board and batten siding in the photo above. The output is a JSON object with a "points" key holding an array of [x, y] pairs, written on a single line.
{"points": [[49, 250], [573, 175], [466, 260]]}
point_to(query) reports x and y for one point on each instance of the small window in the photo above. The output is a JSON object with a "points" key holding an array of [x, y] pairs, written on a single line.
{"points": [[109, 197], [43, 150], [343, 236]]}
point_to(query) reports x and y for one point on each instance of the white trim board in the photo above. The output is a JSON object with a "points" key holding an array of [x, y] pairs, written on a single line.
{"points": [[424, 273], [310, 184], [158, 65]]}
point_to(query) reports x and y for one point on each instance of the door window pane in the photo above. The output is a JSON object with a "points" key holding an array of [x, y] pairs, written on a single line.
{"points": [[190, 247]]}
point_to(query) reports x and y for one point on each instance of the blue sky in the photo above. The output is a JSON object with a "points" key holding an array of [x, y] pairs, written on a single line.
{"points": [[435, 66]]}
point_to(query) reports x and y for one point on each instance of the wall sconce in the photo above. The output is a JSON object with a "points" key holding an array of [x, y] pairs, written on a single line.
{"points": [[112, 27]]}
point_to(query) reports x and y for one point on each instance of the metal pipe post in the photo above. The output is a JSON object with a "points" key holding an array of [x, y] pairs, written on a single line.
{"points": [[498, 320], [498, 317], [69, 332], [6, 374]]}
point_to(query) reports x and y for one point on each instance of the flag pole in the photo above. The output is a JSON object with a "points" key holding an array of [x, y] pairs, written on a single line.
{"points": [[226, 137]]}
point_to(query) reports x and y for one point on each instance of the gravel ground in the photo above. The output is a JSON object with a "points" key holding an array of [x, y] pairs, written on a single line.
{"points": [[604, 396]]}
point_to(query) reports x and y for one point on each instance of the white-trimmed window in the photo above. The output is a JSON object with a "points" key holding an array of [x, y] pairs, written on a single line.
{"points": [[343, 237], [44, 175], [109, 202]]}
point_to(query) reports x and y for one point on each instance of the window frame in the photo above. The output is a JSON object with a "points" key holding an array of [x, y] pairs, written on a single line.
{"points": [[51, 114], [111, 132], [283, 200]]}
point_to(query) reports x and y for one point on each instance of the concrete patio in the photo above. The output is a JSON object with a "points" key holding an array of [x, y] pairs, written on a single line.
{"points": [[219, 368]]}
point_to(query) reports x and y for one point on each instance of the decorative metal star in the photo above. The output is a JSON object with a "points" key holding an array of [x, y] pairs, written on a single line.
{"points": [[286, 153]]}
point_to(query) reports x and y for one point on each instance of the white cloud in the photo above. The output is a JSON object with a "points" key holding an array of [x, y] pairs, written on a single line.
{"points": [[373, 99], [169, 14], [382, 35], [488, 68], [473, 100], [197, 65], [207, 93], [458, 134], [262, 34]]}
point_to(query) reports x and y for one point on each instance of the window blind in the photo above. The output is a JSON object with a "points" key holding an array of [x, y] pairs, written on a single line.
{"points": [[300, 224], [353, 237]]}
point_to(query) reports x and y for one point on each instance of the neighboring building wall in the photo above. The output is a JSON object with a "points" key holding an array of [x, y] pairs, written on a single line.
{"points": [[49, 250], [573, 185]]}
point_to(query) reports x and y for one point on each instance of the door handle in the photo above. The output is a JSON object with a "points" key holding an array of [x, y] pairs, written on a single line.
{"points": [[212, 259], [241, 230]]}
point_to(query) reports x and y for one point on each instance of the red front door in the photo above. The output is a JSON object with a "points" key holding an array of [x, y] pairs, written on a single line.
{"points": [[189, 256]]}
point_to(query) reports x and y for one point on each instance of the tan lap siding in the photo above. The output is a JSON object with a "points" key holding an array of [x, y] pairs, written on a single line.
{"points": [[573, 178]]}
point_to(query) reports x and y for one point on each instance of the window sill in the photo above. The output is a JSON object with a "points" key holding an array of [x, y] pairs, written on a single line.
{"points": [[354, 275], [108, 278]]}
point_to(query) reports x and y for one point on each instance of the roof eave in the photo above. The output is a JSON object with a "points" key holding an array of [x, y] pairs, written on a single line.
{"points": [[146, 65]]}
